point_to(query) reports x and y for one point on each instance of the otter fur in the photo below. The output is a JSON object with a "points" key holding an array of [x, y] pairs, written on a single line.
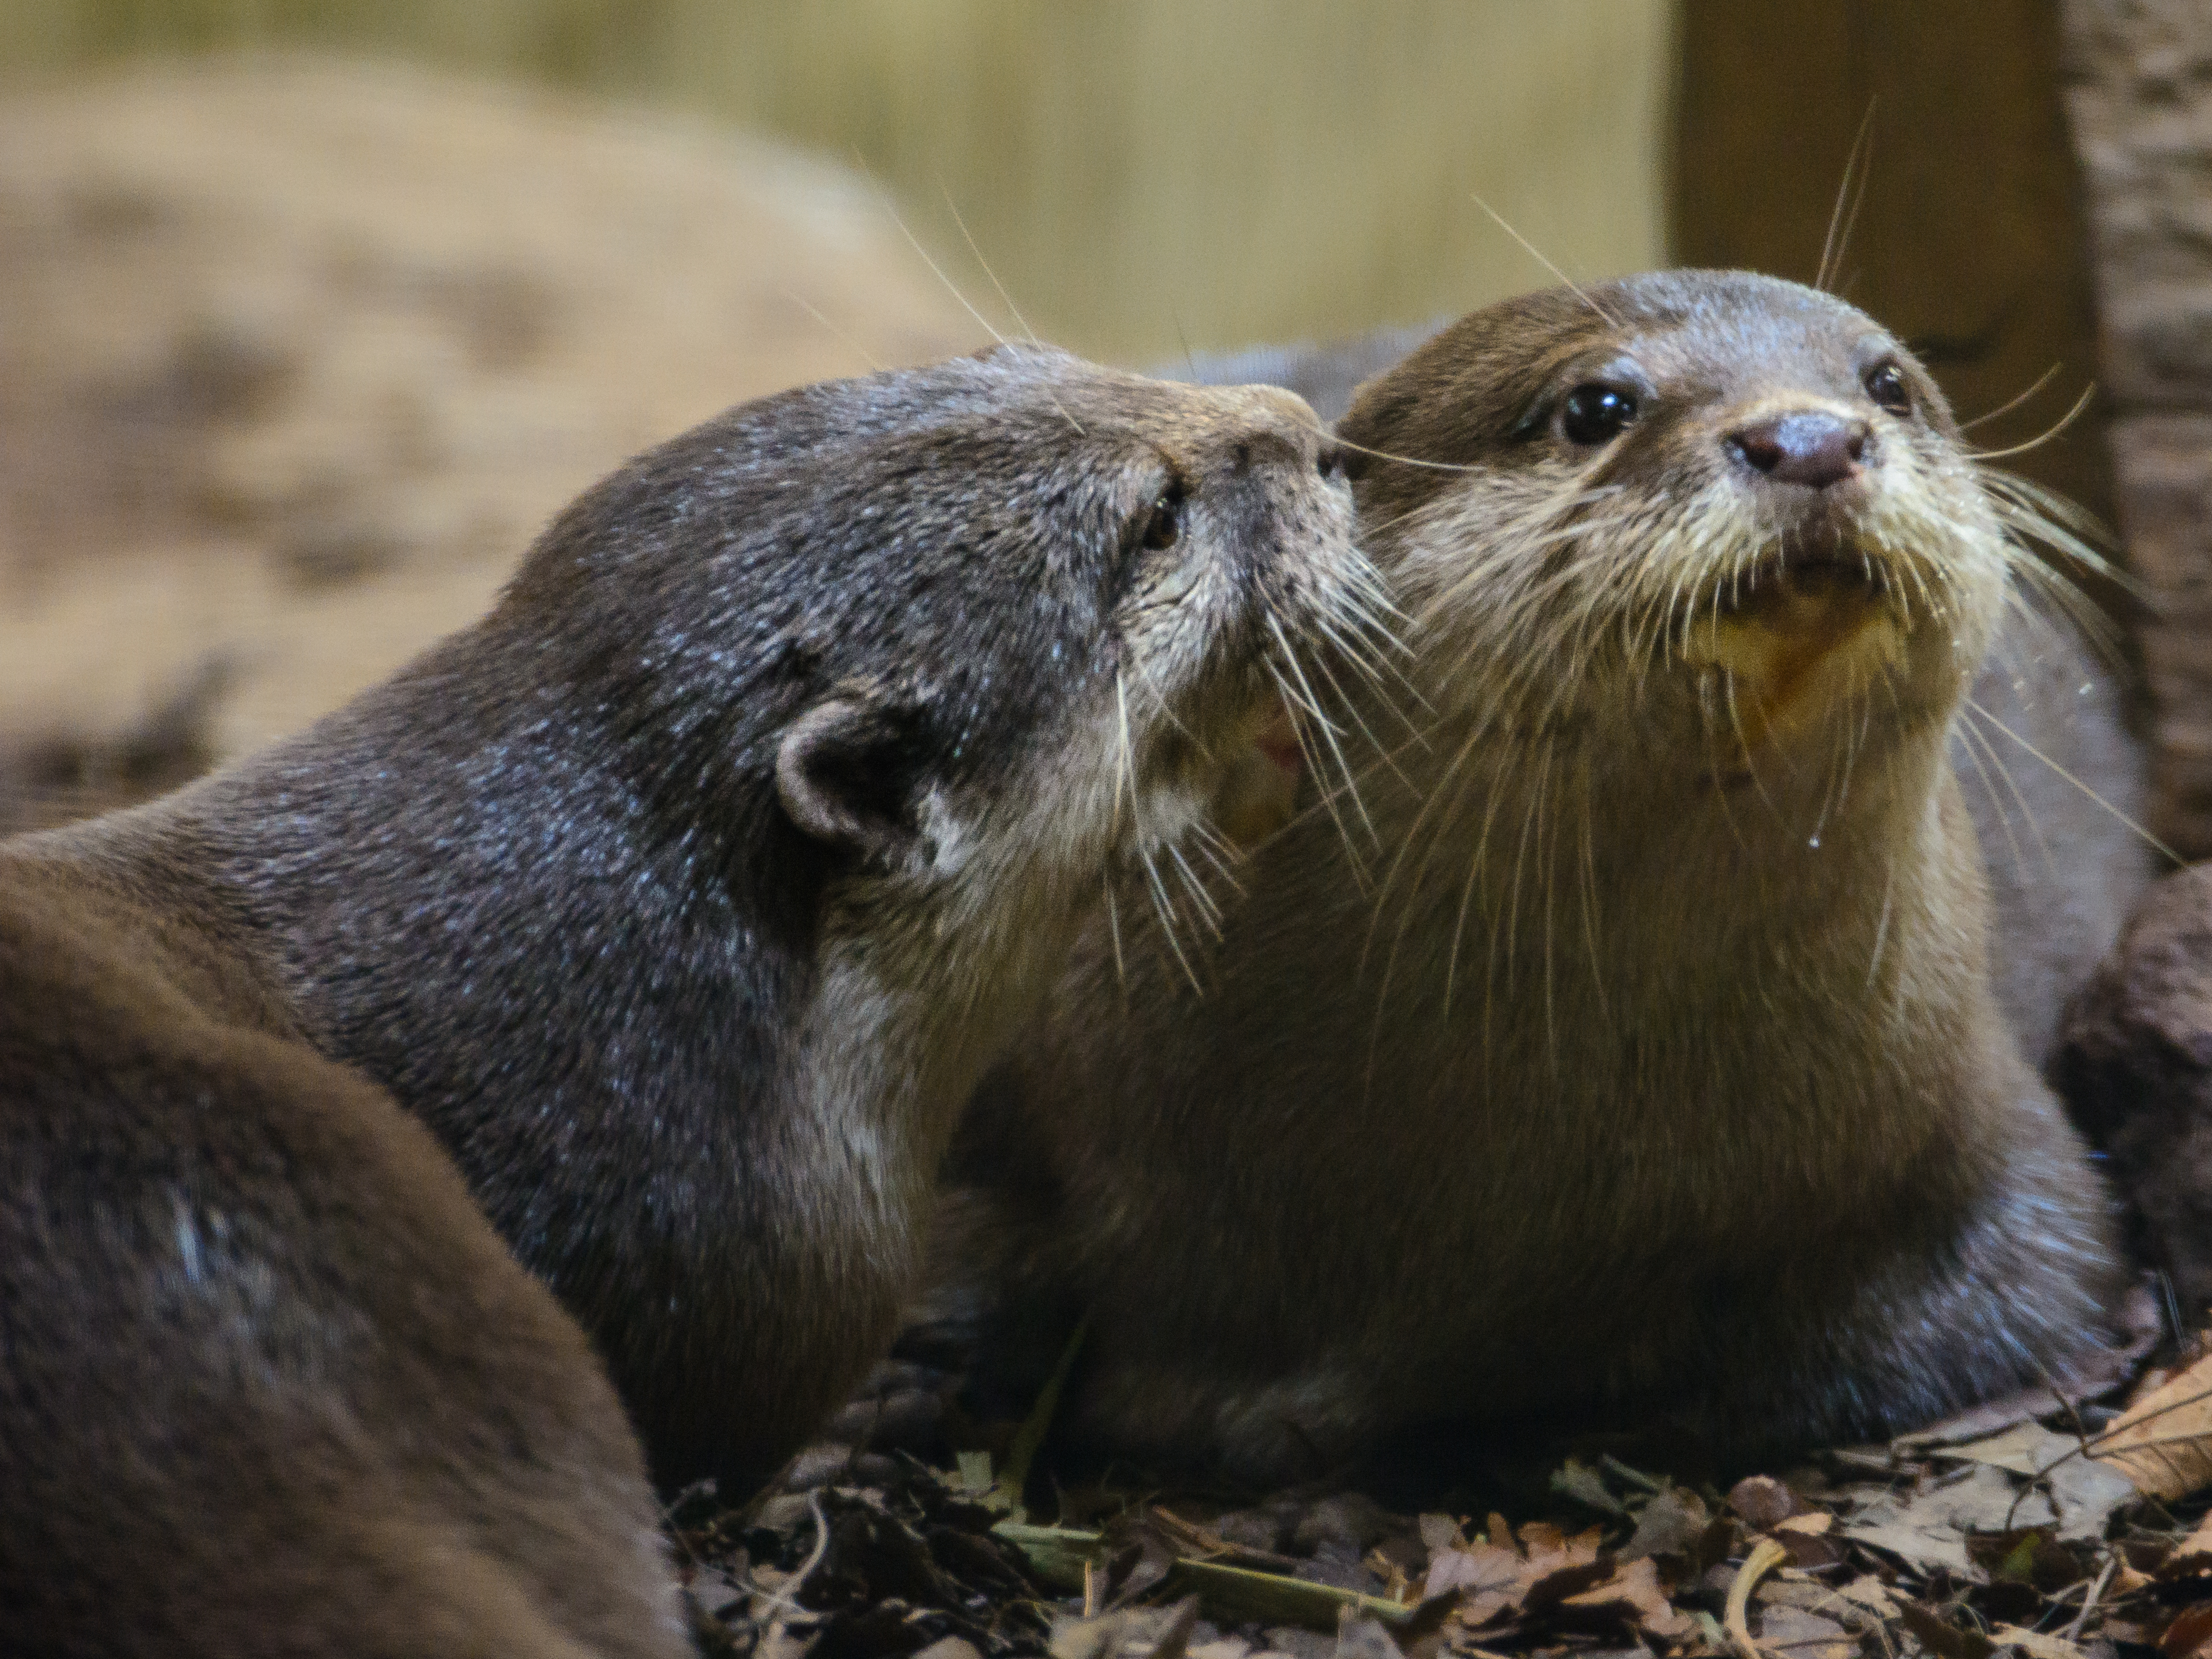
{"points": [[1635, 1058], [668, 913]]}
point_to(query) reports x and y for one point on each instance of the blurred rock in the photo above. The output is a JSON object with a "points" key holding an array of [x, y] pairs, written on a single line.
{"points": [[295, 357], [2135, 1064]]}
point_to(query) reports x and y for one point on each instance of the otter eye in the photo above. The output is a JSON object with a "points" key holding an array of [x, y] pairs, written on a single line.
{"points": [[1885, 383], [1596, 413], [1164, 527]]}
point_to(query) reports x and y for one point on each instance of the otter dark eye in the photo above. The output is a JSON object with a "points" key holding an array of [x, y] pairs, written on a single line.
{"points": [[1885, 383], [1164, 525], [1596, 413]]}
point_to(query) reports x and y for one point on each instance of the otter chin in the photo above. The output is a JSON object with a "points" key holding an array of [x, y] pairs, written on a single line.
{"points": [[1630, 1055], [1792, 649]]}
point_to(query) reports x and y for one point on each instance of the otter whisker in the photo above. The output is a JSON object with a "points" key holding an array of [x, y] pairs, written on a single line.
{"points": [[1832, 246], [1743, 739], [2080, 406], [1431, 801], [1209, 912], [1127, 767], [2016, 400], [1566, 281], [953, 288], [1589, 900], [1327, 728], [1977, 746], [866, 355], [2145, 835], [1477, 867], [1328, 795], [1114, 932], [936, 270], [1219, 855], [1882, 922], [1711, 731], [1020, 321], [1163, 908]]}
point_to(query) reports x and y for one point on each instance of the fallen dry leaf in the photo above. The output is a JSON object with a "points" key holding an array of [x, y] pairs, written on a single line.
{"points": [[2085, 1492], [1561, 1582], [1811, 1526], [2191, 1559], [1943, 1638], [2035, 1643], [2163, 1442], [1631, 1599], [2190, 1634]]}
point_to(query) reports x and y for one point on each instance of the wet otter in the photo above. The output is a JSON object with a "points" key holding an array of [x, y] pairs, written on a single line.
{"points": [[682, 898], [1645, 1065]]}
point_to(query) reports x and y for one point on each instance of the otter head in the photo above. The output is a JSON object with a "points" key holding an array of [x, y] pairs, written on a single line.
{"points": [[957, 637], [1719, 523]]}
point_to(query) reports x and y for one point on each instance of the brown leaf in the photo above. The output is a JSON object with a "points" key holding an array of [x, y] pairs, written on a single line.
{"points": [[1561, 1582], [1671, 1524], [2191, 1559], [1631, 1598], [2163, 1442], [1793, 1633], [1942, 1638], [1441, 1532], [1762, 1502], [1479, 1569], [2191, 1633]]}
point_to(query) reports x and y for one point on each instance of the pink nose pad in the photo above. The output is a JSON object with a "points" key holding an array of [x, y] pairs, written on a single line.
{"points": [[1808, 446]]}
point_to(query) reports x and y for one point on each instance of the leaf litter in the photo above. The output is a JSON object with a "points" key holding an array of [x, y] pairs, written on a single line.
{"points": [[2068, 1531]]}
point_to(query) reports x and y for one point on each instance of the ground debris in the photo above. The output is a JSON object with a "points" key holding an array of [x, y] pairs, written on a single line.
{"points": [[2015, 1539]]}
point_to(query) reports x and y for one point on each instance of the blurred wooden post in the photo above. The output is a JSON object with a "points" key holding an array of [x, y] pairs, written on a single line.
{"points": [[2139, 89]]}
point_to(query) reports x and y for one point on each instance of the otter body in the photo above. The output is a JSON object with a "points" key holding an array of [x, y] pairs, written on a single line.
{"points": [[682, 898], [1643, 1066]]}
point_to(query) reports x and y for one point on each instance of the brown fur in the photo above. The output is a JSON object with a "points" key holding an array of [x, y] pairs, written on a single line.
{"points": [[271, 1384], [1643, 1064], [683, 897]]}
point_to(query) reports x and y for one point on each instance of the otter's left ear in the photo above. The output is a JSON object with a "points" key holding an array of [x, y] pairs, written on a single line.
{"points": [[844, 771]]}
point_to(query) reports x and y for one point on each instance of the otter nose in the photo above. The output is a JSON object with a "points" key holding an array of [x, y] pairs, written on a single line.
{"points": [[1807, 446]]}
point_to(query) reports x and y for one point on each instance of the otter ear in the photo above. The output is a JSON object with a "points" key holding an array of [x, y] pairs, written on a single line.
{"points": [[844, 770]]}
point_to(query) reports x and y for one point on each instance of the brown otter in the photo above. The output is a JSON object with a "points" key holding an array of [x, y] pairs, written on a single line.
{"points": [[683, 897], [1645, 1064]]}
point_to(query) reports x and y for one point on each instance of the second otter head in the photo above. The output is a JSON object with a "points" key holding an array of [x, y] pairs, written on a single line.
{"points": [[1710, 516], [1034, 650]]}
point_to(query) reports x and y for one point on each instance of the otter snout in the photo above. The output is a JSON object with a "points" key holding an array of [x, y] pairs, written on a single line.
{"points": [[1814, 448]]}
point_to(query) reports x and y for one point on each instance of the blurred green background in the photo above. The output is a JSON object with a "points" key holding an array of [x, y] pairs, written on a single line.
{"points": [[1140, 174]]}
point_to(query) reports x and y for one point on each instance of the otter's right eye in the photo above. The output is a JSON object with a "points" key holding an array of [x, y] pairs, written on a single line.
{"points": [[1596, 413], [1885, 383], [1164, 527]]}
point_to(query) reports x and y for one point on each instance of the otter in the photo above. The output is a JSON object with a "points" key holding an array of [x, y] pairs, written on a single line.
{"points": [[667, 915], [1635, 1060]]}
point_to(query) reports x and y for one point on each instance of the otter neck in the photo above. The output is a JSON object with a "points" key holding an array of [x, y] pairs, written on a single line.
{"points": [[1587, 879]]}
